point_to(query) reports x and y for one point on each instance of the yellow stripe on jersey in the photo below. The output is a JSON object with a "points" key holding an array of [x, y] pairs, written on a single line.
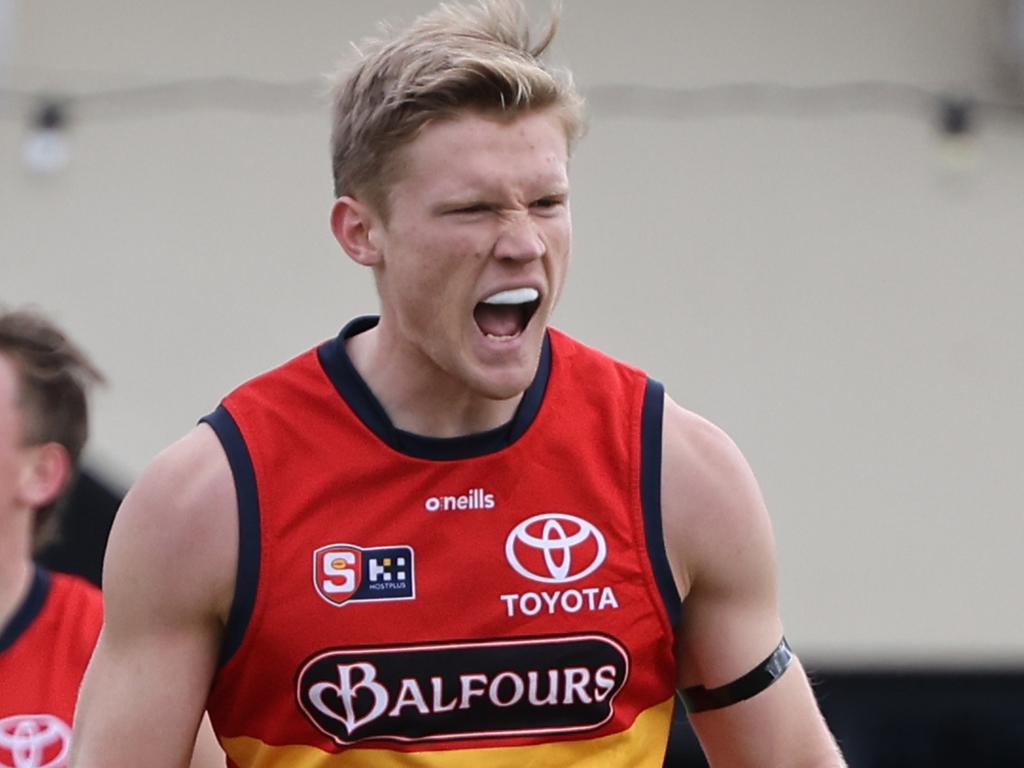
{"points": [[641, 746]]}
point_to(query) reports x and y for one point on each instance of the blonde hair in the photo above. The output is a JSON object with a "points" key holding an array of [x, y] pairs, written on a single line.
{"points": [[457, 58]]}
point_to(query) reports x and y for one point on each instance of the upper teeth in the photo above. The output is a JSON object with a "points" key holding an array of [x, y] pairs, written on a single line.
{"points": [[513, 296]]}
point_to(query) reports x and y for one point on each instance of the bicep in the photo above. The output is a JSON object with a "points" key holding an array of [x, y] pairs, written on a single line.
{"points": [[166, 587], [149, 691], [722, 549]]}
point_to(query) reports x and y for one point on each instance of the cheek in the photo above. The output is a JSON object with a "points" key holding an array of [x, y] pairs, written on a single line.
{"points": [[465, 247], [450, 262], [432, 284], [560, 241], [567, 238]]}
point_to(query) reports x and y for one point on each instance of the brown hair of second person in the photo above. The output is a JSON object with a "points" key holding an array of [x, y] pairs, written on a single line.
{"points": [[53, 375]]}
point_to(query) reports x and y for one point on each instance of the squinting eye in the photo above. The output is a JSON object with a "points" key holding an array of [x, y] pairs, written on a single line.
{"points": [[548, 202], [479, 208]]}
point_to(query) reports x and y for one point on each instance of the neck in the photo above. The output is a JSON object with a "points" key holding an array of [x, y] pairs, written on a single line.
{"points": [[418, 396], [15, 564]]}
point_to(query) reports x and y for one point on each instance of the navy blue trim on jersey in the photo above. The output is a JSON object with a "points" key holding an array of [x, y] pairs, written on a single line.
{"points": [[650, 496], [350, 385], [30, 607], [248, 572]]}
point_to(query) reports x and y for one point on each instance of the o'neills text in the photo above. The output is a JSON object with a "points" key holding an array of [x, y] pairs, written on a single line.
{"points": [[477, 498]]}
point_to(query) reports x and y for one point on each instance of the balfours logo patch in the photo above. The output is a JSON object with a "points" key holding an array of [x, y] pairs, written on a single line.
{"points": [[344, 573], [494, 688]]}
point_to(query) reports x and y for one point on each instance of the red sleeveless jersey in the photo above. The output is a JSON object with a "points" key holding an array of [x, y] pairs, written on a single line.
{"points": [[499, 599], [44, 650]]}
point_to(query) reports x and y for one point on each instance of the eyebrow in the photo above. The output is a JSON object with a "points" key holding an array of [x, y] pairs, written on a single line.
{"points": [[483, 195]]}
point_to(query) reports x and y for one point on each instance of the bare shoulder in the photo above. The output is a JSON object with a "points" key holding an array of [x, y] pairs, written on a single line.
{"points": [[176, 531], [720, 545], [168, 582], [191, 473], [712, 508]]}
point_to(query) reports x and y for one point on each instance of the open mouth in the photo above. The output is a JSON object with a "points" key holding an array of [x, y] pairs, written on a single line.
{"points": [[505, 315]]}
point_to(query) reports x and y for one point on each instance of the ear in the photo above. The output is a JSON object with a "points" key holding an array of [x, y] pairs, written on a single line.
{"points": [[44, 474], [358, 229]]}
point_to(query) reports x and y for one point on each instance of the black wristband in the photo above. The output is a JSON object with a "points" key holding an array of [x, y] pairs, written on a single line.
{"points": [[697, 698]]}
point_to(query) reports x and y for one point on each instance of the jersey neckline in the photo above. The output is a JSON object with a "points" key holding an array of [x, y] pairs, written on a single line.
{"points": [[30, 607], [354, 390]]}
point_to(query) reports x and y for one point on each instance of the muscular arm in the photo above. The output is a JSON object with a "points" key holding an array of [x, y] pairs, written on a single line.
{"points": [[722, 553], [168, 582]]}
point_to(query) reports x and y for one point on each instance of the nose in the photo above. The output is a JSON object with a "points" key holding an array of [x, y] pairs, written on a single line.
{"points": [[519, 239]]}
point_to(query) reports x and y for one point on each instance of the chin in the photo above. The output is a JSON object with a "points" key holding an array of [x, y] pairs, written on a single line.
{"points": [[505, 388], [505, 384]]}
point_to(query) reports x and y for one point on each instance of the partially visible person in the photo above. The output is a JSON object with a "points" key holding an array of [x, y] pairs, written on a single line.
{"points": [[49, 622]]}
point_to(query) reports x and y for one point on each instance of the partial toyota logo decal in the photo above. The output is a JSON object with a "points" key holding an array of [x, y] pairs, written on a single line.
{"points": [[555, 548], [34, 741]]}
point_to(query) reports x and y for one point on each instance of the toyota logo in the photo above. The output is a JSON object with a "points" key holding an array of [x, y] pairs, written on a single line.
{"points": [[554, 548], [33, 741]]}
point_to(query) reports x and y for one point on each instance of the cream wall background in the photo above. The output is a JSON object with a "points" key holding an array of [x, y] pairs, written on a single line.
{"points": [[822, 285]]}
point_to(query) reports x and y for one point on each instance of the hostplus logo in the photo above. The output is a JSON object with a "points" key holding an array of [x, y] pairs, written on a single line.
{"points": [[475, 498], [556, 549], [346, 573]]}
